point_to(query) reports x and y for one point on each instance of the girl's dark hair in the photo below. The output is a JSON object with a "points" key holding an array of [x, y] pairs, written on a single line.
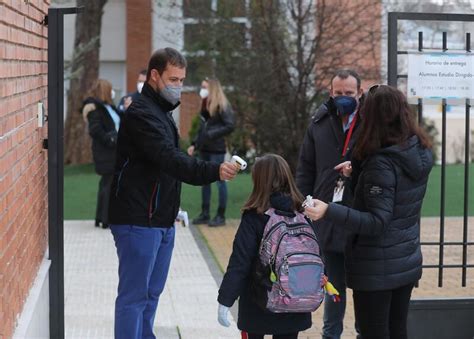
{"points": [[271, 173], [386, 120]]}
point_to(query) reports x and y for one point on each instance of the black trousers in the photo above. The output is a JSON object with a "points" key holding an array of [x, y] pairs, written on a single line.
{"points": [[246, 335], [383, 314], [103, 196]]}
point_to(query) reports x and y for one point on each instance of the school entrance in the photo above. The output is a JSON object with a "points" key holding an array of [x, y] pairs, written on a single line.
{"points": [[438, 74]]}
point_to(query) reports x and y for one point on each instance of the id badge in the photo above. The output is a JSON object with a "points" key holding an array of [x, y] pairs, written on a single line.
{"points": [[338, 190]]}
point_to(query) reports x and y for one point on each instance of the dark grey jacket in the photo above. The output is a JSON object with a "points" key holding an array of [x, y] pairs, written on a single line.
{"points": [[320, 152], [383, 251], [104, 136], [213, 130], [150, 165]]}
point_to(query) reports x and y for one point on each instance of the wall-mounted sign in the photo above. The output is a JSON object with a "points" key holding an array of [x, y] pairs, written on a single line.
{"points": [[436, 75]]}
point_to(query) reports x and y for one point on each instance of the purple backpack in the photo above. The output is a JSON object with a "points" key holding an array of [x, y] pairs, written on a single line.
{"points": [[289, 270]]}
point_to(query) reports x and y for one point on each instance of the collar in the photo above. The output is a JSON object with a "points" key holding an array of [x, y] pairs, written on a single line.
{"points": [[347, 125], [166, 106]]}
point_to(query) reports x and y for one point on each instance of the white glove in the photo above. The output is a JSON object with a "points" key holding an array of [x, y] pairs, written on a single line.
{"points": [[222, 315]]}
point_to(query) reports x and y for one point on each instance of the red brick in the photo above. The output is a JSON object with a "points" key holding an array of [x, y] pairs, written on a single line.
{"points": [[23, 186]]}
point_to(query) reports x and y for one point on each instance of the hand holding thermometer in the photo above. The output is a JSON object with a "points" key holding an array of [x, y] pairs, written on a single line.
{"points": [[238, 160]]}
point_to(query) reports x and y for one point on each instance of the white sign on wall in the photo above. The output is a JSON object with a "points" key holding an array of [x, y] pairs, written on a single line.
{"points": [[440, 75]]}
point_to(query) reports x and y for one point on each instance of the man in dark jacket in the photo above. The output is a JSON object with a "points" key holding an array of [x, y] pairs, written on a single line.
{"points": [[146, 190], [328, 142]]}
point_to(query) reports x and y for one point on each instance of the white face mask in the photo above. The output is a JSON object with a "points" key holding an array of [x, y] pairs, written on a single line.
{"points": [[112, 94], [140, 86], [204, 93]]}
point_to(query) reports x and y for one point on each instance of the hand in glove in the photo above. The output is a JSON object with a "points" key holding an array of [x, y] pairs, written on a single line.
{"points": [[222, 315]]}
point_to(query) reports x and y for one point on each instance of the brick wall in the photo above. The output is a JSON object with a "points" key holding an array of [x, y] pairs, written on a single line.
{"points": [[189, 108], [23, 163], [350, 36], [139, 30]]}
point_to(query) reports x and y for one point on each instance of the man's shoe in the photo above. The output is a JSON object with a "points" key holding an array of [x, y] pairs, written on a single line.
{"points": [[218, 220], [203, 218]]}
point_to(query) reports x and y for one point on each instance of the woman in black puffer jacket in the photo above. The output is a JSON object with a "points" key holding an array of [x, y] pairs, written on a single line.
{"points": [[103, 121], [217, 121], [383, 255]]}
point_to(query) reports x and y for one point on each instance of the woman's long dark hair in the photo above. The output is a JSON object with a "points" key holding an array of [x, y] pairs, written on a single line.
{"points": [[271, 173], [386, 120]]}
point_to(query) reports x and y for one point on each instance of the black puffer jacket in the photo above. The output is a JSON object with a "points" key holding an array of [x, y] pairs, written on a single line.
{"points": [[320, 152], [210, 137], [104, 135], [383, 251], [238, 278], [150, 166]]}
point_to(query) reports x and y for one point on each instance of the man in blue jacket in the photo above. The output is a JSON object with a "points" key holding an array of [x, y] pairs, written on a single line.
{"points": [[145, 195]]}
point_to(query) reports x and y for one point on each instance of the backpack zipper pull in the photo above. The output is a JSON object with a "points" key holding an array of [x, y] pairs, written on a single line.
{"points": [[273, 277]]}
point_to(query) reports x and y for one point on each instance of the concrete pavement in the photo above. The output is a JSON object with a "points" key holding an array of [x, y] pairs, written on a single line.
{"points": [[188, 306]]}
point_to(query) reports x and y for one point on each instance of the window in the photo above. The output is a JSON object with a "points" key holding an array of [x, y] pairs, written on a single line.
{"points": [[197, 8], [231, 8], [214, 31]]}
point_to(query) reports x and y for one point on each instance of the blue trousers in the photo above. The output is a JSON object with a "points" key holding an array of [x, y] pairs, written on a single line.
{"points": [[221, 185], [144, 255]]}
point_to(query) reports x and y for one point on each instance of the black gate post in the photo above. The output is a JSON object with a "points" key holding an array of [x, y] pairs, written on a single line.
{"points": [[55, 22], [427, 318]]}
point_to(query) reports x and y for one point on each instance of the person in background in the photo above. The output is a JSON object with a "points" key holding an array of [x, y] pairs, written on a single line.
{"points": [[126, 100], [391, 164], [103, 121], [329, 140], [217, 122]]}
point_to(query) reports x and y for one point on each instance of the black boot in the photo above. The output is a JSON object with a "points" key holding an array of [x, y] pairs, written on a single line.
{"points": [[202, 218], [219, 219]]}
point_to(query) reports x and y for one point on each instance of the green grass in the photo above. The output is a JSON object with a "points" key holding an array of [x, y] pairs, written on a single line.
{"points": [[81, 182], [454, 199]]}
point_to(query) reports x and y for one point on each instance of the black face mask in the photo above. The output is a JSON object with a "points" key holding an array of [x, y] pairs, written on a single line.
{"points": [[345, 104]]}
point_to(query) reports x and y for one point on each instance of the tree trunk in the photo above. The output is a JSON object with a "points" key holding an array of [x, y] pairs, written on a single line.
{"points": [[84, 71]]}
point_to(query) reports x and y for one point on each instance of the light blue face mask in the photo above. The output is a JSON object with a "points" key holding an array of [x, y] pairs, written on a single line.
{"points": [[172, 94]]}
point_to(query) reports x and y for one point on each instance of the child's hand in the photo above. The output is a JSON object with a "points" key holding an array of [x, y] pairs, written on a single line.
{"points": [[222, 315], [318, 211]]}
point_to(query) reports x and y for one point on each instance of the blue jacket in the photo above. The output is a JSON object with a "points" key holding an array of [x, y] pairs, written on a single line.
{"points": [[383, 248]]}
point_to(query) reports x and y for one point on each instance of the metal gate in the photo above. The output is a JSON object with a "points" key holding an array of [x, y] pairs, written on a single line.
{"points": [[439, 318], [54, 143]]}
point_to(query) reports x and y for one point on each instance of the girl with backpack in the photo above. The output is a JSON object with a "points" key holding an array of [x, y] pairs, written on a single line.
{"points": [[274, 199]]}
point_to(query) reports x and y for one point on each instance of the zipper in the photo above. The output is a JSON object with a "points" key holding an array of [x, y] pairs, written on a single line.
{"points": [[286, 233], [150, 205], [274, 228], [120, 176], [285, 259]]}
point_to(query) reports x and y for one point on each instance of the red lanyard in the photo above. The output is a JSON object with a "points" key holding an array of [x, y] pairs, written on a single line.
{"points": [[349, 134]]}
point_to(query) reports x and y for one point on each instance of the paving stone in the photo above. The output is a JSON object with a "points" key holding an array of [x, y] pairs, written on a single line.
{"points": [[188, 306]]}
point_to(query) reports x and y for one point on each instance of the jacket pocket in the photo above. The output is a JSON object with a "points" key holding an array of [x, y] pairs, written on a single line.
{"points": [[120, 176], [154, 201]]}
